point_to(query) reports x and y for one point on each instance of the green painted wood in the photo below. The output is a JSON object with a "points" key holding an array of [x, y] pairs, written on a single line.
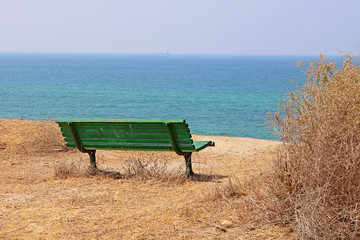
{"points": [[140, 140], [142, 145], [124, 147], [69, 139], [199, 145], [121, 120], [77, 137], [175, 145], [128, 130], [127, 136], [123, 140], [81, 130], [126, 125]]}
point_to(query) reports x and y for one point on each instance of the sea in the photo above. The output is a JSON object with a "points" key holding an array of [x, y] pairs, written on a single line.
{"points": [[222, 95]]}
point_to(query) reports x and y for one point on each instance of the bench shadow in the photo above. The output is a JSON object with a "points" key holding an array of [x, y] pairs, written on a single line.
{"points": [[195, 178], [110, 174], [207, 178]]}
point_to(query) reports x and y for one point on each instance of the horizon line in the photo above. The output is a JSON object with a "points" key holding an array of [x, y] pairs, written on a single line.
{"points": [[155, 53]]}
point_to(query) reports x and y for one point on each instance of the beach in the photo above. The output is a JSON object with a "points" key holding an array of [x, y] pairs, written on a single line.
{"points": [[36, 202]]}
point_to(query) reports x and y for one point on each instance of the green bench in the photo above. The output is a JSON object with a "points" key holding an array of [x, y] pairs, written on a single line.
{"points": [[89, 135]]}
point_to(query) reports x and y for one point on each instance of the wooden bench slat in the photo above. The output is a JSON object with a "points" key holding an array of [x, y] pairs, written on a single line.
{"points": [[189, 146], [121, 147], [139, 140], [123, 130], [113, 146], [66, 127], [127, 126], [85, 120], [107, 130], [126, 136]]}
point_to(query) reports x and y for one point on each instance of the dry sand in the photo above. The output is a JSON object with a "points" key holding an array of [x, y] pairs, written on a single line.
{"points": [[35, 204]]}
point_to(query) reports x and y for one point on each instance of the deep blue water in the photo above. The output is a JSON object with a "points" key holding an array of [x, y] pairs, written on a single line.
{"points": [[216, 94]]}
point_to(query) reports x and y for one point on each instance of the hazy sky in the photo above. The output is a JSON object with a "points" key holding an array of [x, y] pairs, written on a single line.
{"points": [[181, 26]]}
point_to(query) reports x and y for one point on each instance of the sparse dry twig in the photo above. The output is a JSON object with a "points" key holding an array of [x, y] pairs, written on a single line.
{"points": [[153, 170]]}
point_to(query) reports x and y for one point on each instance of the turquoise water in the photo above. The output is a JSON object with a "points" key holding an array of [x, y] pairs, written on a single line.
{"points": [[216, 94]]}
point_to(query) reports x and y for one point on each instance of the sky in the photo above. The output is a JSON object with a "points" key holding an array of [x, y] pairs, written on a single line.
{"points": [[276, 27]]}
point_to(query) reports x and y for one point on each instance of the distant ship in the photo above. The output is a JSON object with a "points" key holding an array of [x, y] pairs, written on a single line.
{"points": [[164, 52]]}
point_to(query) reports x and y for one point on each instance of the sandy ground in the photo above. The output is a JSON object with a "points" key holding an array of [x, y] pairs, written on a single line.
{"points": [[36, 204]]}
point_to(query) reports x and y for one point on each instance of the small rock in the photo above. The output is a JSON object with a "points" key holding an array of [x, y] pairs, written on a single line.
{"points": [[226, 223], [220, 229]]}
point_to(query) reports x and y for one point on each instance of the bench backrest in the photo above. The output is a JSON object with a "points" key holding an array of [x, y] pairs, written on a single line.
{"points": [[127, 134]]}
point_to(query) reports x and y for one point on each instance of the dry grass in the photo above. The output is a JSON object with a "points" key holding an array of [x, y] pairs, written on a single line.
{"points": [[252, 200], [23, 138], [153, 170], [317, 172], [229, 191], [151, 200], [65, 169], [143, 169]]}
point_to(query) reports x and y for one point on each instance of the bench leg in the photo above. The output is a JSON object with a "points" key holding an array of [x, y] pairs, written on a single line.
{"points": [[189, 172], [93, 166]]}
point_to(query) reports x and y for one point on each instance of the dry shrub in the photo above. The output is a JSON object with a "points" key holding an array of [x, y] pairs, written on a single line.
{"points": [[153, 170], [64, 169], [249, 199], [22, 137], [232, 189], [137, 168], [317, 171]]}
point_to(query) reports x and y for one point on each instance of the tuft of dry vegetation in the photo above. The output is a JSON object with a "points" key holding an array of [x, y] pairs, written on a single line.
{"points": [[153, 170], [63, 169], [137, 167], [317, 171], [232, 189], [251, 199]]}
